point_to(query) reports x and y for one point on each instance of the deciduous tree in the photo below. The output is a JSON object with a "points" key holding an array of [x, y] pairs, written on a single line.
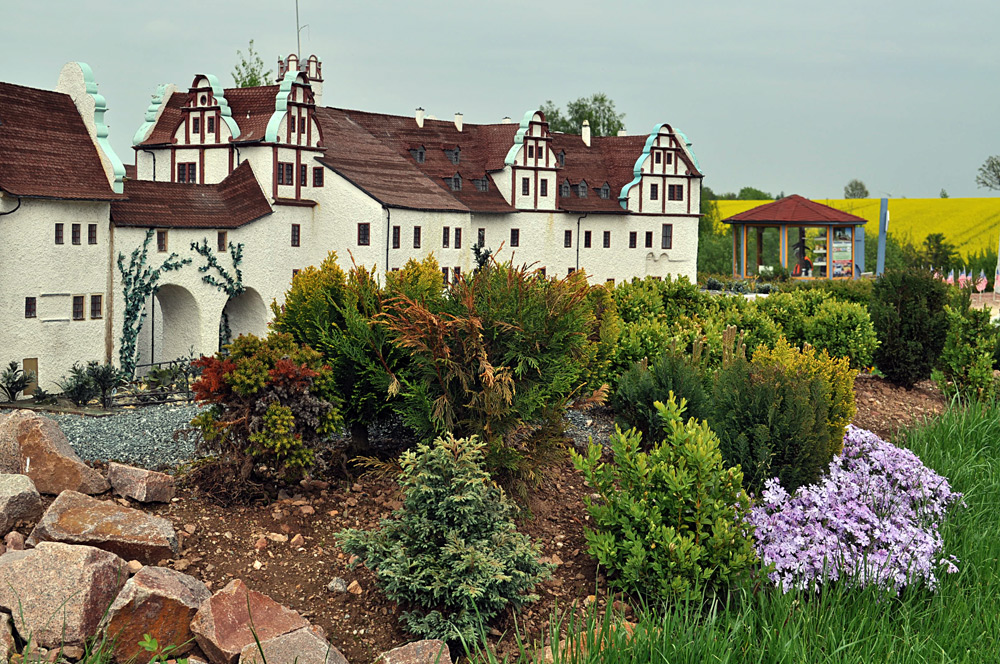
{"points": [[249, 71], [597, 109], [855, 189], [989, 173]]}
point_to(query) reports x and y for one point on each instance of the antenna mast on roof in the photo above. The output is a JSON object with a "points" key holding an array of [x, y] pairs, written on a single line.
{"points": [[298, 32]]}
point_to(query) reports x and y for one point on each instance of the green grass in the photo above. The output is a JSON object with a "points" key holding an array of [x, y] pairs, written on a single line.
{"points": [[959, 623]]}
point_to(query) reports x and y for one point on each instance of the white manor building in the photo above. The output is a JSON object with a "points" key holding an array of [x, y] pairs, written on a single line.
{"points": [[272, 176]]}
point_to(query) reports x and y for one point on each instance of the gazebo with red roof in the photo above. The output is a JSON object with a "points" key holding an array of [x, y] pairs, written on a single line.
{"points": [[810, 240]]}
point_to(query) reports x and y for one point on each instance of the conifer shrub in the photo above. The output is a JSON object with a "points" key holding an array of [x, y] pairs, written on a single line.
{"points": [[669, 522], [270, 402], [648, 382], [451, 555], [598, 359], [907, 310], [640, 340], [966, 362], [844, 329]]}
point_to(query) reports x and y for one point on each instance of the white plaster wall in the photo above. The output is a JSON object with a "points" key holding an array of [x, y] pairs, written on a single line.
{"points": [[32, 265]]}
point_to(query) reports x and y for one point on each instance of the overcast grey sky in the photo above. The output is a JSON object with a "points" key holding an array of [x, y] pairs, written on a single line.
{"points": [[792, 96]]}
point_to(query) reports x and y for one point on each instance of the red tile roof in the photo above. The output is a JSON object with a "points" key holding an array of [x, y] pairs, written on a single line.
{"points": [[45, 149], [250, 107], [232, 203], [795, 208]]}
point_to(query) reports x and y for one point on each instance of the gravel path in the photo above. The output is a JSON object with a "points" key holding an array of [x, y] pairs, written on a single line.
{"points": [[143, 437]]}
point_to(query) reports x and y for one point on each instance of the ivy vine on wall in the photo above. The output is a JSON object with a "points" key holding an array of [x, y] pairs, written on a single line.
{"points": [[139, 283], [230, 284]]}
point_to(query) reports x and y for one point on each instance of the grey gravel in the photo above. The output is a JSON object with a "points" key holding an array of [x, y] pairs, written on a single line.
{"points": [[153, 437], [594, 425]]}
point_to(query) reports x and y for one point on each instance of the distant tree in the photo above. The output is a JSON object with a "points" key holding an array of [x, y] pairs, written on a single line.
{"points": [[944, 194], [598, 109], [855, 189], [938, 252], [249, 71], [753, 194], [989, 173]]}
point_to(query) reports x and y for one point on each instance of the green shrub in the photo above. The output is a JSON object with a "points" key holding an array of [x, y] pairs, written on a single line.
{"points": [[14, 380], [683, 298], [713, 284], [966, 362], [601, 350], [858, 291], [639, 300], [669, 522], [907, 310], [844, 329], [451, 555], [759, 331], [78, 386], [646, 383], [641, 340], [106, 378], [772, 421], [788, 312]]}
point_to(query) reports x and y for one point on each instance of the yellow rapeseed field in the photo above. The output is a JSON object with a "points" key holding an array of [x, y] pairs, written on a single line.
{"points": [[971, 224]]}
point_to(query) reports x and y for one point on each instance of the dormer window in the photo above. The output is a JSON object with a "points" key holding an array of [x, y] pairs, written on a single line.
{"points": [[453, 155], [564, 190], [581, 189], [418, 154], [562, 159], [196, 125], [606, 191], [482, 184], [455, 182]]}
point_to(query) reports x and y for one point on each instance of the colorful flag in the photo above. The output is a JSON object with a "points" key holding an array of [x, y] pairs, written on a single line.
{"points": [[962, 278], [982, 281], [951, 277]]}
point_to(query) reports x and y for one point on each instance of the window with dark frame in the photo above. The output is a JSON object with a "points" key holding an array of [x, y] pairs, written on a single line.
{"points": [[632, 239], [454, 156], [458, 238], [364, 234], [221, 239], [670, 158], [75, 233], [570, 271], [161, 241], [667, 237], [91, 233], [654, 192], [317, 176], [515, 237], [446, 237], [607, 239], [96, 306], [541, 271], [196, 126], [586, 239], [302, 125], [286, 173], [658, 157], [444, 275], [416, 237], [561, 157], [303, 173], [482, 184], [525, 186], [531, 152], [187, 172], [564, 189], [30, 307], [675, 192], [395, 237], [610, 282], [605, 191], [581, 190], [649, 239], [455, 182], [481, 237], [296, 235], [59, 233], [456, 273], [211, 125], [78, 307], [295, 272], [418, 155], [543, 188], [567, 238]]}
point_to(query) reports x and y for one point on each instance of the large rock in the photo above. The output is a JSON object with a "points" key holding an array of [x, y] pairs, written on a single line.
{"points": [[58, 592], [78, 519], [7, 647], [222, 624], [146, 486], [33, 445], [430, 651], [303, 646], [19, 501], [157, 601]]}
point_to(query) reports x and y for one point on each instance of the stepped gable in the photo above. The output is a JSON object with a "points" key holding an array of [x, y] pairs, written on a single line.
{"points": [[234, 202], [46, 150], [796, 208], [250, 107]]}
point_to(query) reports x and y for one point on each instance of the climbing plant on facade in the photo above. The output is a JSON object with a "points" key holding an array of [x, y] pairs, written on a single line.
{"points": [[229, 283], [139, 283]]}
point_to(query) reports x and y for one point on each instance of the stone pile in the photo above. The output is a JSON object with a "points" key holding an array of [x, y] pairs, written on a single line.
{"points": [[73, 581]]}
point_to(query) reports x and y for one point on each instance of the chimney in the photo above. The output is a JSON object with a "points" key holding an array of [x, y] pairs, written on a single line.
{"points": [[622, 132], [585, 133], [420, 117], [506, 120], [458, 121]]}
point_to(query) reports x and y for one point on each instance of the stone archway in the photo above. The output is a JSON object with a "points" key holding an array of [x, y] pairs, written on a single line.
{"points": [[244, 314], [172, 327]]}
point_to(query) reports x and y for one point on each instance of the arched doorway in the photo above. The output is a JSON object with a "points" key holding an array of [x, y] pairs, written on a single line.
{"points": [[244, 314], [172, 327]]}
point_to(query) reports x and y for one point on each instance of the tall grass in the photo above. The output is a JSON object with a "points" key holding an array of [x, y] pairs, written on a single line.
{"points": [[958, 623]]}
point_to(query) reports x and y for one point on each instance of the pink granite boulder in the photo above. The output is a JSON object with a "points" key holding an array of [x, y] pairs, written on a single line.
{"points": [[146, 486], [303, 646], [35, 446]]}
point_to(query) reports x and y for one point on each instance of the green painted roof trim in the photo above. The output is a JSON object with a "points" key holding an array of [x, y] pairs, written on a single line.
{"points": [[519, 137], [219, 93], [149, 120], [100, 108], [637, 169], [280, 106]]}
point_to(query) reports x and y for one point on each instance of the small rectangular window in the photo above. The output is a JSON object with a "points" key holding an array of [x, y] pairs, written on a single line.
{"points": [[525, 186], [658, 156], [187, 172], [395, 237], [30, 307], [632, 239], [59, 233], [192, 172], [610, 282], [667, 237], [543, 188], [456, 273], [196, 126], [182, 172], [515, 237], [531, 152], [541, 271], [586, 239], [161, 241], [670, 158], [303, 172], [286, 173], [607, 239], [654, 192], [296, 235], [221, 240], [78, 307], [364, 235], [458, 238], [211, 125], [75, 233], [649, 239], [570, 271], [444, 275], [302, 125], [675, 192], [567, 238], [96, 306], [91, 233], [416, 237], [481, 237], [446, 237], [318, 176]]}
